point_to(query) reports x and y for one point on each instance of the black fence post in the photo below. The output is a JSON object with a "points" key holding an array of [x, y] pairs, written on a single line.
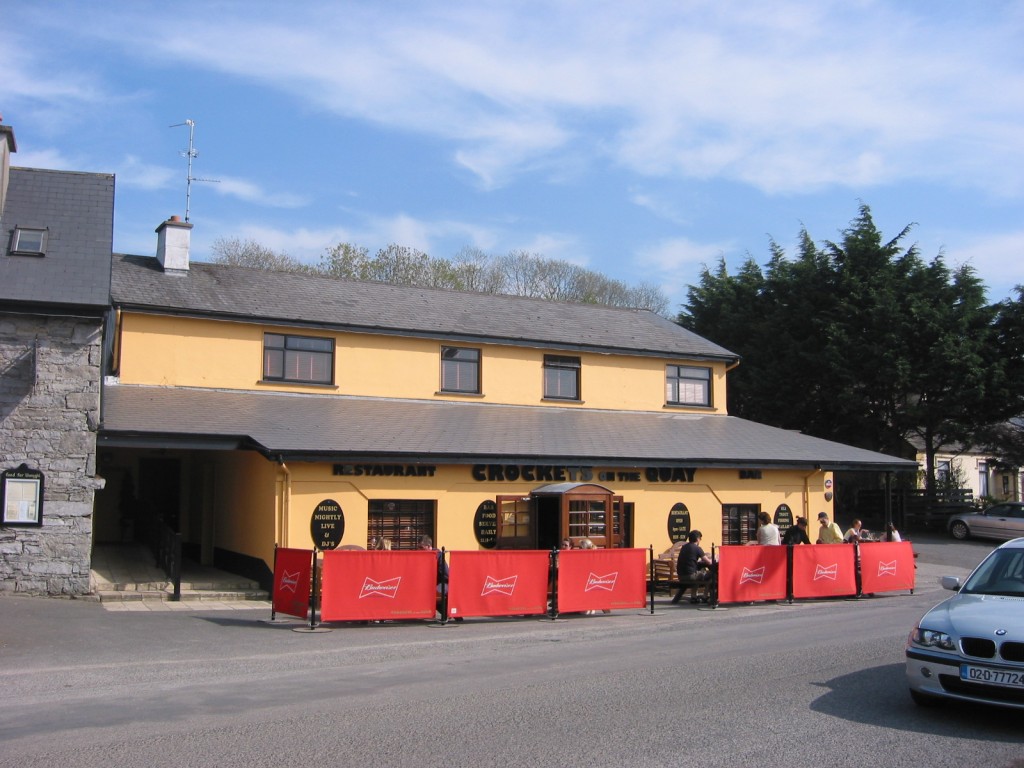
{"points": [[713, 584], [442, 572], [553, 575], [650, 566], [273, 612], [313, 591]]}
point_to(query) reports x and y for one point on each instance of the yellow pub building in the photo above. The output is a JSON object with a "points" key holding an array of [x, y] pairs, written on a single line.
{"points": [[238, 404]]}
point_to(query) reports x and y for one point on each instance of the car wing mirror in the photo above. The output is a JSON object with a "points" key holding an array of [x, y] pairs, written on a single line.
{"points": [[950, 582]]}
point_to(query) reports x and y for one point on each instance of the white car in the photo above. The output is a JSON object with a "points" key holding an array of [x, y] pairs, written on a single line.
{"points": [[970, 647]]}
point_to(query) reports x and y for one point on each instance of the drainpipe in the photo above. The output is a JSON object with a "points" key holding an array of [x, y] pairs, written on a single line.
{"points": [[807, 494], [285, 484]]}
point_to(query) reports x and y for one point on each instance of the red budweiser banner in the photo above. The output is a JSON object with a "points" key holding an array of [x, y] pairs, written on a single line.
{"points": [[503, 583], [293, 570], [886, 566], [824, 570], [378, 585], [749, 574], [601, 579]]}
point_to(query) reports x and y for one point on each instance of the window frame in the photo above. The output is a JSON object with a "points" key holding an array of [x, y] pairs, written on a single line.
{"points": [[457, 365], [555, 366], [402, 521], [674, 385], [297, 351], [17, 246]]}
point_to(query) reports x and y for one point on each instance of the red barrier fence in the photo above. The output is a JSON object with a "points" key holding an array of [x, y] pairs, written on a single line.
{"points": [[824, 570], [395, 585], [502, 583], [293, 569], [887, 566], [755, 573], [748, 574], [378, 585], [601, 579]]}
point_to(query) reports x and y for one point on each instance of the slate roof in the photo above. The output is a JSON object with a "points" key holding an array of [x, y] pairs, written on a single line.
{"points": [[77, 209], [218, 290], [345, 429]]}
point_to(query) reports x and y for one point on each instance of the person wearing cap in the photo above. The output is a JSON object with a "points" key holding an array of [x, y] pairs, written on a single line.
{"points": [[828, 533]]}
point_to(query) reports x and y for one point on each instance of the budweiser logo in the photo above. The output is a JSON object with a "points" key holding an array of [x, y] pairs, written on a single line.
{"points": [[606, 582], [887, 569], [826, 572], [289, 581], [388, 588], [755, 576], [505, 586]]}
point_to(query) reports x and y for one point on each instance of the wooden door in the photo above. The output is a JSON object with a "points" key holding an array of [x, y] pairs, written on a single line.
{"points": [[517, 523]]}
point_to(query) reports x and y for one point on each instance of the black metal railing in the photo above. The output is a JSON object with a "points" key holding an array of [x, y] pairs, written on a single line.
{"points": [[167, 549]]}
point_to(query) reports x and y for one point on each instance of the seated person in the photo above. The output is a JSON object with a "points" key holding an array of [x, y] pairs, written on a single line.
{"points": [[855, 533], [692, 566]]}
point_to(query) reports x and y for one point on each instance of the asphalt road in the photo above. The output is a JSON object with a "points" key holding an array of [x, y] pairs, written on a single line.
{"points": [[819, 683]]}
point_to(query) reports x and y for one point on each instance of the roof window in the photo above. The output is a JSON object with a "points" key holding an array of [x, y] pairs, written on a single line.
{"points": [[28, 242]]}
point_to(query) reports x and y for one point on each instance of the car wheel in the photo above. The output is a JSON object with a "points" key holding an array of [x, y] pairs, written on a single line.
{"points": [[959, 530], [924, 699]]}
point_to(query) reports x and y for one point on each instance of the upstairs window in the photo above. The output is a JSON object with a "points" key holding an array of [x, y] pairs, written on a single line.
{"points": [[687, 385], [460, 370], [561, 377], [302, 359], [28, 242]]}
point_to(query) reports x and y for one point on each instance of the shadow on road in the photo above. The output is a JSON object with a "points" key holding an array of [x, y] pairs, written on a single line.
{"points": [[894, 709]]}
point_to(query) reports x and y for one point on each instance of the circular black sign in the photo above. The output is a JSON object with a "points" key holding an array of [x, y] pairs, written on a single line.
{"points": [[327, 525], [485, 524], [678, 523]]}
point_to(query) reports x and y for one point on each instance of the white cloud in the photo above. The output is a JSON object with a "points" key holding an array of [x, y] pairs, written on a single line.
{"points": [[674, 263], [783, 96], [133, 172], [997, 258], [251, 192]]}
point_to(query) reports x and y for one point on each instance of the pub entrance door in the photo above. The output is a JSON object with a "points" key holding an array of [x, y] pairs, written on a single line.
{"points": [[551, 513]]}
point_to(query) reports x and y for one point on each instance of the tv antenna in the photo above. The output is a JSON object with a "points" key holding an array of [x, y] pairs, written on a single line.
{"points": [[191, 153]]}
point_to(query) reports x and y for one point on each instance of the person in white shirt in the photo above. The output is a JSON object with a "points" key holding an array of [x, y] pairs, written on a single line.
{"points": [[767, 531]]}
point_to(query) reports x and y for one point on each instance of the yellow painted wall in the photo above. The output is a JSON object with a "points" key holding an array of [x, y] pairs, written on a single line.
{"points": [[245, 505], [170, 351], [457, 497]]}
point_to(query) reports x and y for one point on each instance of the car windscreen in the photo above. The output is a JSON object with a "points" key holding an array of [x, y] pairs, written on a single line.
{"points": [[1002, 573]]}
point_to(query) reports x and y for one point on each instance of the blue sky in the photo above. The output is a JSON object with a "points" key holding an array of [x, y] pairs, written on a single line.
{"points": [[639, 139]]}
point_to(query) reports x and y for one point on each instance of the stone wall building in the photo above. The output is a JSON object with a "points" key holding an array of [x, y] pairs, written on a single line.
{"points": [[55, 253]]}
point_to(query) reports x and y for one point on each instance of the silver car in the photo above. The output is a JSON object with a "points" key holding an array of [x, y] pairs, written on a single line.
{"points": [[971, 646], [1001, 521]]}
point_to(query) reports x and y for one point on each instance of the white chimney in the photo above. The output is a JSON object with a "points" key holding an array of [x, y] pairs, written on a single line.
{"points": [[7, 146], [172, 243]]}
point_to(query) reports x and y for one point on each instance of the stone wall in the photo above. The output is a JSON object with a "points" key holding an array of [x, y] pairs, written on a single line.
{"points": [[49, 411]]}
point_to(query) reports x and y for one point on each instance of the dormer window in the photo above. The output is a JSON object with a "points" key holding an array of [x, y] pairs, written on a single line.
{"points": [[28, 242]]}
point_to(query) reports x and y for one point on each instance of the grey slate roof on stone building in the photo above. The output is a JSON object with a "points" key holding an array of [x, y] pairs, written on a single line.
{"points": [[312, 301], [77, 210]]}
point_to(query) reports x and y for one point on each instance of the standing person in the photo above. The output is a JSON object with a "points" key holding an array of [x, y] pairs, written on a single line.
{"points": [[692, 566], [828, 533], [767, 531], [426, 543], [891, 534], [566, 544], [797, 534]]}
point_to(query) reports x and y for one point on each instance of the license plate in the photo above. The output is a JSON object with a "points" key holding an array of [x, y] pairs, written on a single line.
{"points": [[991, 676]]}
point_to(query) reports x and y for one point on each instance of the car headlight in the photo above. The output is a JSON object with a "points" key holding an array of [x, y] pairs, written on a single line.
{"points": [[929, 638]]}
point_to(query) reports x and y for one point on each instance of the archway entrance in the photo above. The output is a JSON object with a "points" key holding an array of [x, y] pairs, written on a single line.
{"points": [[551, 513]]}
